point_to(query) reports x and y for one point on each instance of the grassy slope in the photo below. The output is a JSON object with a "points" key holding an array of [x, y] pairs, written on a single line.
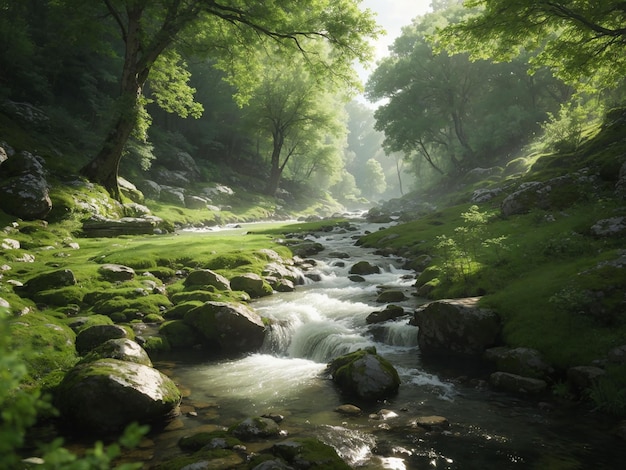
{"points": [[538, 276]]}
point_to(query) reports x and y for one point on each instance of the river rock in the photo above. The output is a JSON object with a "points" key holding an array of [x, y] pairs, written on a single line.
{"points": [[122, 349], [206, 277], [430, 423], [306, 248], [522, 361], [584, 377], [456, 326], [253, 284], [251, 429], [348, 409], [517, 383], [106, 395], [116, 272], [308, 453], [232, 328], [364, 374], [390, 296], [95, 335], [364, 268], [389, 313], [279, 270]]}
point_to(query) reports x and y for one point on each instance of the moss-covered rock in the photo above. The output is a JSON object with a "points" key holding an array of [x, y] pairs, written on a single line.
{"points": [[206, 277], [123, 349], [309, 453], [179, 334], [253, 284], [106, 395], [231, 328], [365, 375], [94, 336], [251, 429]]}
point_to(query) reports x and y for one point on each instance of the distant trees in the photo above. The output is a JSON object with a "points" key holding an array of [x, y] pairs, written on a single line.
{"points": [[449, 111], [230, 31], [300, 116]]}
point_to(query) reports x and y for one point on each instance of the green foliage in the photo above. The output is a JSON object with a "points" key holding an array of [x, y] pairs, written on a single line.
{"points": [[579, 41], [609, 392], [564, 132]]}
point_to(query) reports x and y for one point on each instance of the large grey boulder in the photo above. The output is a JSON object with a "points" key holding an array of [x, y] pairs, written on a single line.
{"points": [[24, 190], [251, 429], [365, 375], [231, 328], [456, 326], [106, 395]]}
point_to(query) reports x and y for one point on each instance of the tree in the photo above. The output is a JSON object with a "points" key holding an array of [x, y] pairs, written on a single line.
{"points": [[449, 111], [226, 29], [375, 178], [578, 39], [299, 114]]}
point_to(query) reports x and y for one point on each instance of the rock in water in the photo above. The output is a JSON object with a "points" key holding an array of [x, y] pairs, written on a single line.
{"points": [[365, 374], [105, 396]]}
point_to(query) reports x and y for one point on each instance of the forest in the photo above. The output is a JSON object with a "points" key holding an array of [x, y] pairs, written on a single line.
{"points": [[172, 103]]}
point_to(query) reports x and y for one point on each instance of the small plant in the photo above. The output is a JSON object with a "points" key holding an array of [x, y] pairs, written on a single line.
{"points": [[609, 392]]}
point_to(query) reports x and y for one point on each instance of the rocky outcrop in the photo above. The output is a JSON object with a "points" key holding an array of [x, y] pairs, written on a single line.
{"points": [[24, 190], [521, 361], [106, 395], [456, 326], [47, 281], [230, 328], [365, 375], [612, 227], [98, 226]]}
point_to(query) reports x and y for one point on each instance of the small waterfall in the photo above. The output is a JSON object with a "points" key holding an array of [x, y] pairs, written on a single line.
{"points": [[400, 333]]}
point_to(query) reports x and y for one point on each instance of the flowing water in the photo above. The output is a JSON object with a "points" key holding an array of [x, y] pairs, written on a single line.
{"points": [[325, 319]]}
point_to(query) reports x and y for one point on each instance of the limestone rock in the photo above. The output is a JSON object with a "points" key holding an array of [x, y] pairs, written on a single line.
{"points": [[456, 326], [517, 383], [232, 328], [365, 374], [106, 395]]}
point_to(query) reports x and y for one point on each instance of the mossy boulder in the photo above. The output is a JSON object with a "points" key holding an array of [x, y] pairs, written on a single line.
{"points": [[253, 284], [208, 440], [94, 336], [229, 327], [60, 296], [456, 326], [179, 334], [308, 453], [49, 281], [364, 268], [106, 395], [206, 277], [365, 375], [251, 429], [522, 361], [123, 349]]}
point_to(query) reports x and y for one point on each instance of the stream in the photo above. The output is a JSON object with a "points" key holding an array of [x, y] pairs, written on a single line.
{"points": [[324, 319]]}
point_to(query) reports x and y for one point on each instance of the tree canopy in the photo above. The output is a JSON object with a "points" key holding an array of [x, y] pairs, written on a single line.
{"points": [[581, 41]]}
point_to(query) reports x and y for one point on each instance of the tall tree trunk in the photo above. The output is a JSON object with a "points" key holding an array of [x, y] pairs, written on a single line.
{"points": [[276, 169]]}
